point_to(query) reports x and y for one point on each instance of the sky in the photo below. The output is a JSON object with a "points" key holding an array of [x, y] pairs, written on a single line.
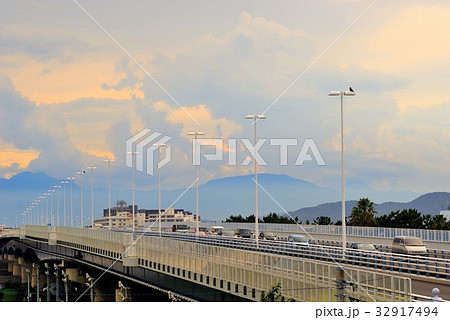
{"points": [[80, 78]]}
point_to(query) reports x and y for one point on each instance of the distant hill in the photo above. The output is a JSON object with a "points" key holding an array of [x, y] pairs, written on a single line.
{"points": [[28, 181], [430, 203]]}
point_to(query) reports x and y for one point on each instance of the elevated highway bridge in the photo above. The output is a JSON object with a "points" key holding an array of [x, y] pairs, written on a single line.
{"points": [[217, 269]]}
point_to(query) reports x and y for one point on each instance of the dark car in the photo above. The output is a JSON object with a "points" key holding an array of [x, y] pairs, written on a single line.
{"points": [[180, 228], [244, 233], [265, 235], [204, 229]]}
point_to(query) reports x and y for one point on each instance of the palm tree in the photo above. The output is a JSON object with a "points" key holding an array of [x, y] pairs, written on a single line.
{"points": [[363, 214]]}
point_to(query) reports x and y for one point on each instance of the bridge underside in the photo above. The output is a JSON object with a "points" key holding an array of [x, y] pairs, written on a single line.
{"points": [[191, 291]]}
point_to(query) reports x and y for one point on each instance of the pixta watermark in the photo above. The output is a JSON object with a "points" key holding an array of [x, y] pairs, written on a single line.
{"points": [[144, 148]]}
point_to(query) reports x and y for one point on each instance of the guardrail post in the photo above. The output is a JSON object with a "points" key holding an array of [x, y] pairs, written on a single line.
{"points": [[437, 268], [391, 263], [400, 264], [427, 269], [418, 266], [447, 271]]}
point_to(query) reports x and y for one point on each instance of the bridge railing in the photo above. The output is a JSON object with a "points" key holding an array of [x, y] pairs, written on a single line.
{"points": [[376, 232], [306, 273]]}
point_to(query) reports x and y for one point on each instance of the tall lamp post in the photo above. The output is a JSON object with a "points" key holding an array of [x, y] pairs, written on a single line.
{"points": [[133, 154], [92, 194], [108, 164], [159, 145], [255, 118], [57, 204], [65, 211], [344, 227], [47, 273], [81, 196], [42, 210], [71, 200], [51, 206], [196, 134], [46, 207]]}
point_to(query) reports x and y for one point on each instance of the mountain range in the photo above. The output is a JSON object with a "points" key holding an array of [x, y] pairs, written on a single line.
{"points": [[430, 203], [218, 198]]}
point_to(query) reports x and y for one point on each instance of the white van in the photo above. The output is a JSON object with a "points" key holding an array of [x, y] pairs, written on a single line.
{"points": [[216, 229], [409, 245]]}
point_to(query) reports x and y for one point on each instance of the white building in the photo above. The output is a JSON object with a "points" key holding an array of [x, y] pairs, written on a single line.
{"points": [[445, 213], [122, 217]]}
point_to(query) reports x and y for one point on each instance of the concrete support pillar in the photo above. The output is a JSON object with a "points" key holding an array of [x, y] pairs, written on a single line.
{"points": [[123, 295], [42, 282], [11, 261], [23, 274], [101, 296], [16, 269], [33, 278], [21, 261], [73, 275]]}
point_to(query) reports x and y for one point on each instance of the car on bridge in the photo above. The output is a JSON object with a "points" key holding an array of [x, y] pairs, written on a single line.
{"points": [[267, 235], [180, 228], [298, 239], [215, 229], [363, 246], [244, 233], [228, 233], [409, 245]]}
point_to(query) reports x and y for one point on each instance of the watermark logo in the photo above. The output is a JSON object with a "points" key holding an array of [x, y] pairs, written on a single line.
{"points": [[307, 150], [145, 145]]}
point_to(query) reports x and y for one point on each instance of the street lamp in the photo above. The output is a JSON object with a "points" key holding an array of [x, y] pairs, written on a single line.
{"points": [[36, 265], [133, 154], [344, 227], [71, 200], [255, 118], [65, 279], [47, 273], [92, 194], [42, 210], [81, 196], [65, 211], [108, 164], [56, 281], [159, 145], [51, 206], [57, 205], [46, 207], [90, 284], [28, 284], [196, 134]]}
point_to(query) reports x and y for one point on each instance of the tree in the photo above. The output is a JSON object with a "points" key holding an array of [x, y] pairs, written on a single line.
{"points": [[410, 218], [235, 219], [363, 214], [274, 295], [439, 222], [322, 220]]}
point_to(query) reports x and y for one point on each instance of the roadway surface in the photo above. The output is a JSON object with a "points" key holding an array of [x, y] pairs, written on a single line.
{"points": [[424, 288]]}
